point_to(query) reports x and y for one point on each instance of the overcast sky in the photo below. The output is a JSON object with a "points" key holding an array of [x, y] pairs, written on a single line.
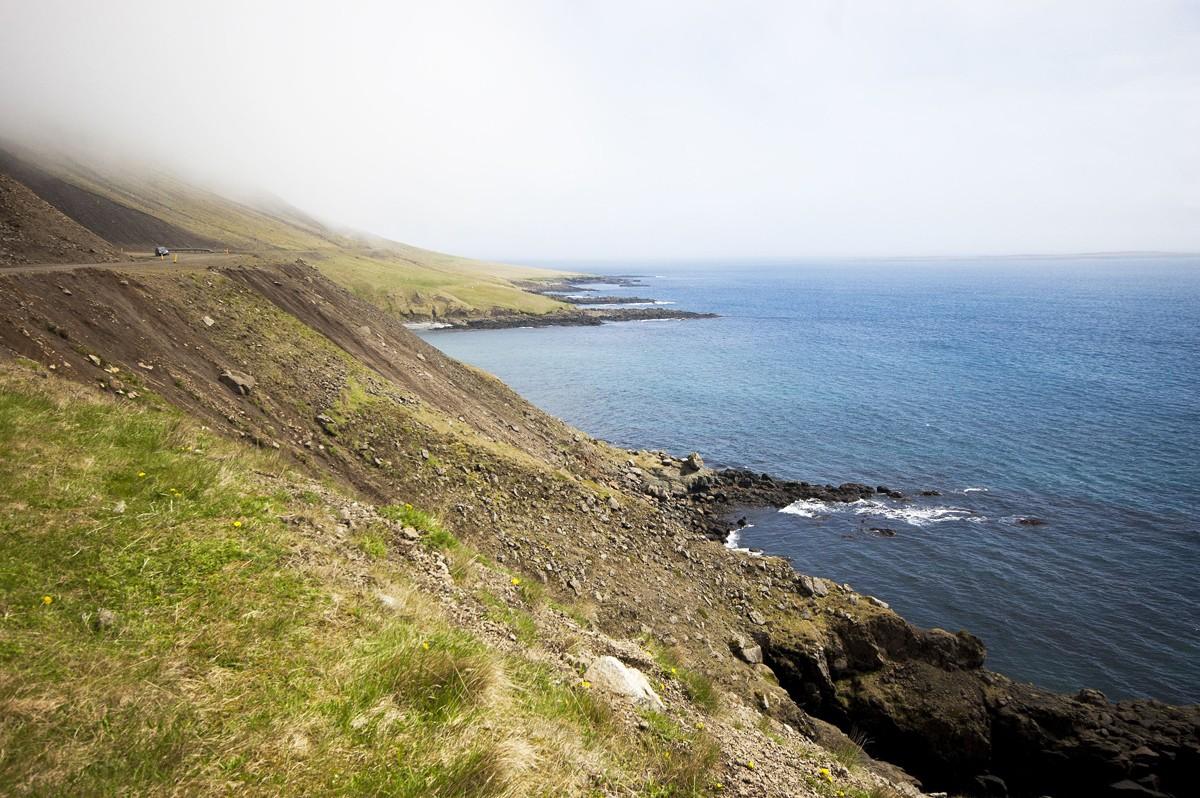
{"points": [[574, 129]]}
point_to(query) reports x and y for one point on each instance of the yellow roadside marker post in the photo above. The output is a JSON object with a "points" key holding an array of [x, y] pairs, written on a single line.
{"points": [[177, 257]]}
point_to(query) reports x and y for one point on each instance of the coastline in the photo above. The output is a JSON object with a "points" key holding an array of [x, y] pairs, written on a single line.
{"points": [[923, 696], [586, 311]]}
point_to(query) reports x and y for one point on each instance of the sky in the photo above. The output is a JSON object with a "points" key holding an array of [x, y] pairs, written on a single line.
{"points": [[576, 129]]}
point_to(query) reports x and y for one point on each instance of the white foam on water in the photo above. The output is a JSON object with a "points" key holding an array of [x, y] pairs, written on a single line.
{"points": [[807, 508], [735, 537], [974, 490], [909, 514]]}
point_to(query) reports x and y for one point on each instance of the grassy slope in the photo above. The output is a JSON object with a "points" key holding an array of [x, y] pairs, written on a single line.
{"points": [[403, 278], [165, 631]]}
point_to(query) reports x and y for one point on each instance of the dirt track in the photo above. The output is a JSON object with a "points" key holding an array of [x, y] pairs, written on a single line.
{"points": [[147, 264]]}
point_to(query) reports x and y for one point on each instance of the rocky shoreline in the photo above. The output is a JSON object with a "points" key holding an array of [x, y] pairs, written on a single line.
{"points": [[581, 318], [923, 697], [582, 315]]}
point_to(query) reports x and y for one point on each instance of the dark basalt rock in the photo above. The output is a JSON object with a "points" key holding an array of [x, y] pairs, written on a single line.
{"points": [[1031, 522], [925, 700]]}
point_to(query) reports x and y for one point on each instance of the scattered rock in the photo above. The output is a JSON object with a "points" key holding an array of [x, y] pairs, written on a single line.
{"points": [[95, 361], [104, 619], [811, 586], [692, 463], [747, 650], [208, 321], [609, 673], [1031, 522], [238, 382]]}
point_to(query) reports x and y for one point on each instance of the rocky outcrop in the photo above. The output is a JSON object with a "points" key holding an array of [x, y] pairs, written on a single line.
{"points": [[926, 702]]}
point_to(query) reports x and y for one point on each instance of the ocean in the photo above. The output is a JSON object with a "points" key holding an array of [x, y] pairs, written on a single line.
{"points": [[1064, 390]]}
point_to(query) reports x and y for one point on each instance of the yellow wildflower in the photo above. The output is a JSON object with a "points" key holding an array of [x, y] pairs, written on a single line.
{"points": [[141, 474], [585, 684], [516, 580], [47, 600], [825, 774], [425, 645], [750, 764], [237, 524]]}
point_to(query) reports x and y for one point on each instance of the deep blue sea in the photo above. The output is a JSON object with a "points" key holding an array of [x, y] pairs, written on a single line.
{"points": [[1066, 390]]}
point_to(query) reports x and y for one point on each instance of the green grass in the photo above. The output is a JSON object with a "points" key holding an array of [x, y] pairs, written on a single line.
{"points": [[698, 687], [162, 631], [518, 620], [435, 536], [683, 759]]}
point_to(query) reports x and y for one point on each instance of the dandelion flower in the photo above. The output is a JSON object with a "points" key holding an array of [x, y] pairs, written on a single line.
{"points": [[825, 774], [237, 524], [141, 474], [674, 671], [47, 600], [425, 645], [750, 764], [516, 580]]}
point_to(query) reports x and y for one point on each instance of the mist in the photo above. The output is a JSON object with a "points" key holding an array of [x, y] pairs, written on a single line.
{"points": [[589, 130]]}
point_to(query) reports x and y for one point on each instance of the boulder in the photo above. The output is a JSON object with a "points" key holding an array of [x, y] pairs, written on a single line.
{"points": [[747, 650], [692, 463], [610, 674], [239, 383]]}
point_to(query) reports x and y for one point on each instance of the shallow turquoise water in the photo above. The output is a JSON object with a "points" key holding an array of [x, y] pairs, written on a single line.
{"points": [[1066, 390]]}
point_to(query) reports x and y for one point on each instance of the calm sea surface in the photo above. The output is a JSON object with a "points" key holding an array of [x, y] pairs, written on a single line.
{"points": [[1066, 390]]}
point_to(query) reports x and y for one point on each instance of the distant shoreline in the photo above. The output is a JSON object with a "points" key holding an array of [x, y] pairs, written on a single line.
{"points": [[581, 315]]}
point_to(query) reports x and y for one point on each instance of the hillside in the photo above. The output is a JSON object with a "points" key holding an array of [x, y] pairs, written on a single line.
{"points": [[261, 539], [119, 211], [241, 500], [34, 231], [297, 550]]}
